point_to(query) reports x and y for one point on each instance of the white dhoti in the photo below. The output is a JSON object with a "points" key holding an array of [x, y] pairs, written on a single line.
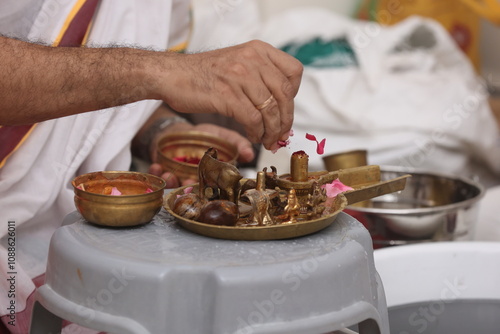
{"points": [[35, 189]]}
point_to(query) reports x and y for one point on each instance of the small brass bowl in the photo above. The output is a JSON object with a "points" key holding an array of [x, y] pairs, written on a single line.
{"points": [[140, 201], [191, 145], [345, 160]]}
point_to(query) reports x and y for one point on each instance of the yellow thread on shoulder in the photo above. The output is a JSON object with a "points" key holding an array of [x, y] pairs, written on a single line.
{"points": [[179, 47]]}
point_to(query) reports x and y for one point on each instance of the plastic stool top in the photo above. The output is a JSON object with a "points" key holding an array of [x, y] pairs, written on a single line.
{"points": [[161, 278]]}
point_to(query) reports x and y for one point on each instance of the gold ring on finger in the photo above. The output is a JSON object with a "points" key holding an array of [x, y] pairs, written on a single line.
{"points": [[266, 103]]}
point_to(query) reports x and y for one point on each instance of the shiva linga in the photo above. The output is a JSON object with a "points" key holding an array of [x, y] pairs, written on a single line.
{"points": [[306, 186]]}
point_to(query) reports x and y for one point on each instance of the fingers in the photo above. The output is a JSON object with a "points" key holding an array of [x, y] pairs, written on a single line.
{"points": [[173, 182], [236, 82], [290, 67], [284, 87], [289, 88], [272, 96], [170, 179], [271, 88]]}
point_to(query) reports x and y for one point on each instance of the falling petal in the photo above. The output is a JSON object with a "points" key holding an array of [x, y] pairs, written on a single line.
{"points": [[320, 148], [310, 137]]}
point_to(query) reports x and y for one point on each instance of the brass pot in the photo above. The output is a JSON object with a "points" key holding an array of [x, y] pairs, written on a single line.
{"points": [[345, 160], [192, 145], [136, 205]]}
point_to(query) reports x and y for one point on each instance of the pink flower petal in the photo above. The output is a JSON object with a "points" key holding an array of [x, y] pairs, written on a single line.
{"points": [[115, 192], [149, 190], [320, 149], [310, 137], [281, 143], [187, 190], [335, 188]]}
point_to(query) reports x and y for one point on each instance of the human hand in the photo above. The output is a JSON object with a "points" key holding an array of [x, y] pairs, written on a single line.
{"points": [[245, 150], [254, 83]]}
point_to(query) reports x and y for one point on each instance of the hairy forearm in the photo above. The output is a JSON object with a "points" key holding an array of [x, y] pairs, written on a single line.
{"points": [[38, 83]]}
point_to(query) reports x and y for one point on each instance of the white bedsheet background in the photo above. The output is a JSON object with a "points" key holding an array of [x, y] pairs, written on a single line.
{"points": [[424, 107]]}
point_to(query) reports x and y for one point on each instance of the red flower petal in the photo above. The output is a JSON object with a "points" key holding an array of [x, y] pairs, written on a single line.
{"points": [[321, 147], [310, 137]]}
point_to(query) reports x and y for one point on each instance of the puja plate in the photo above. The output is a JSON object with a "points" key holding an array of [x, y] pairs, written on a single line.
{"points": [[285, 230]]}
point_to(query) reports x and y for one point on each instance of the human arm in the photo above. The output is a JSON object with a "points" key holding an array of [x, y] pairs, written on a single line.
{"points": [[41, 83]]}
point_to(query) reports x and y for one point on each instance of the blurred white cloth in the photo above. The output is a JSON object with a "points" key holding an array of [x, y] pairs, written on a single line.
{"points": [[35, 188], [218, 24], [413, 100]]}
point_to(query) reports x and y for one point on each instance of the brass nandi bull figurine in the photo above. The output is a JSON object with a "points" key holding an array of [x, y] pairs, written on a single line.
{"points": [[222, 177]]}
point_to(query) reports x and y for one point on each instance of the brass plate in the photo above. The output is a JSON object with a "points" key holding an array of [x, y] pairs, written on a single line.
{"points": [[366, 183], [274, 232]]}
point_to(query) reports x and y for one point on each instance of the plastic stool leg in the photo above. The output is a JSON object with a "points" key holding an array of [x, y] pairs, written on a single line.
{"points": [[44, 322], [369, 326]]}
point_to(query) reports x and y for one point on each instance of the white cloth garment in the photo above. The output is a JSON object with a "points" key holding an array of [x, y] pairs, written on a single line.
{"points": [[35, 189], [413, 99]]}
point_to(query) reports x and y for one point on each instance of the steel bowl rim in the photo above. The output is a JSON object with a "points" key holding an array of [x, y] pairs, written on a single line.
{"points": [[431, 210]]}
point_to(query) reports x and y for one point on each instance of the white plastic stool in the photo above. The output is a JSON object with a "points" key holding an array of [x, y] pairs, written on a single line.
{"points": [[160, 278]]}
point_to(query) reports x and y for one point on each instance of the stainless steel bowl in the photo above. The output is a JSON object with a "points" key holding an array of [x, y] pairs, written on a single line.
{"points": [[432, 207]]}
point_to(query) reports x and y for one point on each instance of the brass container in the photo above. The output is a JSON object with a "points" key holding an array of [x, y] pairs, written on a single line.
{"points": [[134, 207], [267, 232], [345, 160], [365, 181], [191, 144]]}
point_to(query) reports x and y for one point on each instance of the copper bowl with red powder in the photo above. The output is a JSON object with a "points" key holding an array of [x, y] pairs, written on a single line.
{"points": [[180, 152]]}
